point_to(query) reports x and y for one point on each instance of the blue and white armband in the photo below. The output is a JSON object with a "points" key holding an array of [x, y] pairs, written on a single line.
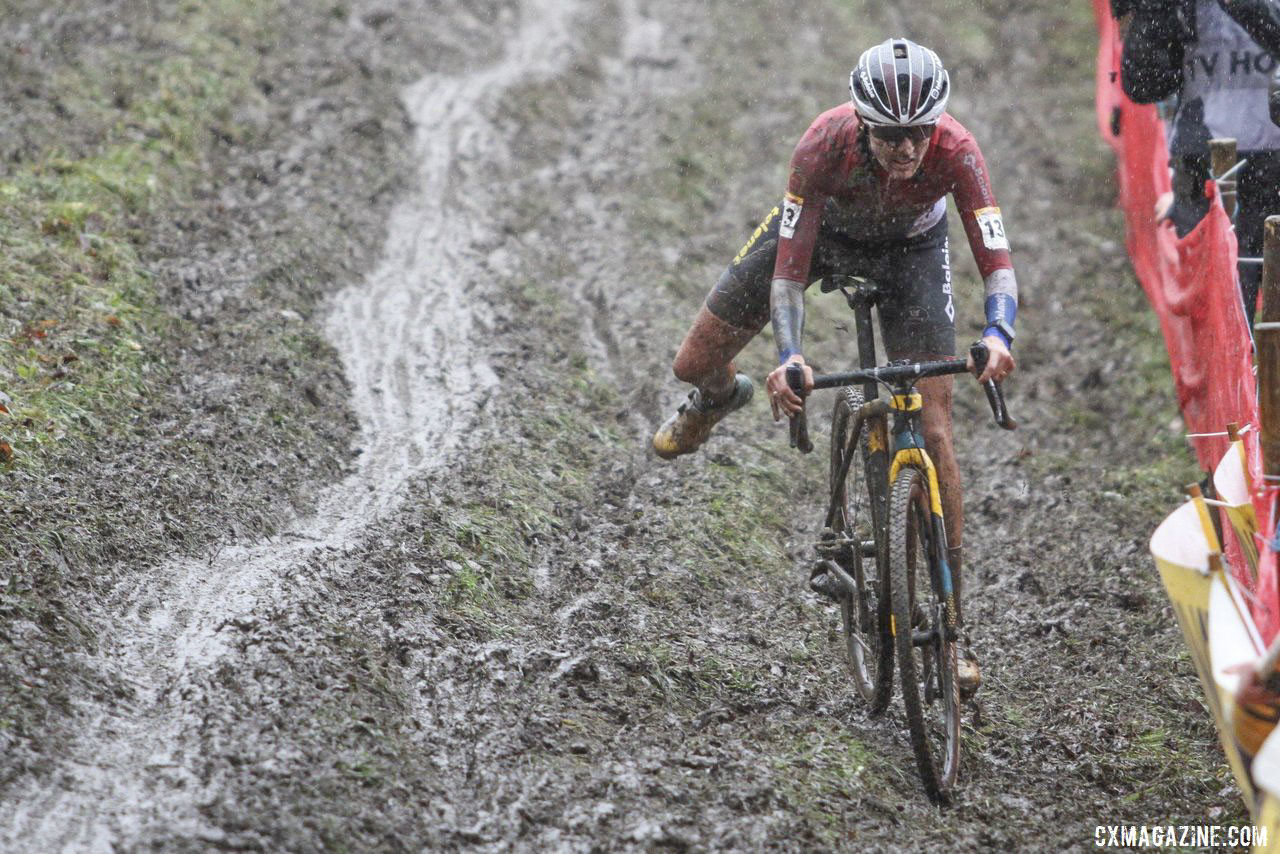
{"points": [[1002, 310]]}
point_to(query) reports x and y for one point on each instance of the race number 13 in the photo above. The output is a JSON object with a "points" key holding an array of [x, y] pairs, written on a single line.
{"points": [[992, 226]]}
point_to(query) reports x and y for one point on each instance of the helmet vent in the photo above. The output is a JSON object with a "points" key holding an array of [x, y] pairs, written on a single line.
{"points": [[899, 83]]}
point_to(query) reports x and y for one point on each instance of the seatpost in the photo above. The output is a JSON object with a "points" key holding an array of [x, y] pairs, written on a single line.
{"points": [[866, 341]]}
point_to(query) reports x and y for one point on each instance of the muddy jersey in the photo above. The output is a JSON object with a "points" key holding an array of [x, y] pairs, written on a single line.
{"points": [[836, 185]]}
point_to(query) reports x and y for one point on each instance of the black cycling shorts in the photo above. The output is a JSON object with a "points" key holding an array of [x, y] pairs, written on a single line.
{"points": [[917, 313]]}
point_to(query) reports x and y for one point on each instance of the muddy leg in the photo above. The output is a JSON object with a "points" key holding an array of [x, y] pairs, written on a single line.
{"points": [[705, 358], [937, 437]]}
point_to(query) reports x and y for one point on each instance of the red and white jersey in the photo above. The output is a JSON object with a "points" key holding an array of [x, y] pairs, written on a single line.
{"points": [[837, 184]]}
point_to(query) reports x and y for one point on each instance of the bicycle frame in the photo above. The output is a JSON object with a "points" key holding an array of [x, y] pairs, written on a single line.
{"points": [[909, 450], [874, 410], [906, 404], [921, 626]]}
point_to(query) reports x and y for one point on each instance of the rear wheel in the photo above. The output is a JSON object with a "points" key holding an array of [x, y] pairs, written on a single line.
{"points": [[864, 612], [925, 645]]}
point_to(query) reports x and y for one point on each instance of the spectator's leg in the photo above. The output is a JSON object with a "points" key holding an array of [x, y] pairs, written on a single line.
{"points": [[1258, 195], [1189, 204]]}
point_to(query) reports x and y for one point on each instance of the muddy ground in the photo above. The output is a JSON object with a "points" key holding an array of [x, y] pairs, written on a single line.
{"points": [[449, 598]]}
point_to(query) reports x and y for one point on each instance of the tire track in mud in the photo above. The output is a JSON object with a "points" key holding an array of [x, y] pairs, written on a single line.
{"points": [[478, 699], [642, 69], [407, 340]]}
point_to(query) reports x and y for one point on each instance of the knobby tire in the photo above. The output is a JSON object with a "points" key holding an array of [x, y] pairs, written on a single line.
{"points": [[864, 617], [930, 693]]}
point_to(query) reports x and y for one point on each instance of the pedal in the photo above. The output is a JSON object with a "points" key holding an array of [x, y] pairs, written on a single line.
{"points": [[923, 637], [839, 548], [826, 544], [822, 582]]}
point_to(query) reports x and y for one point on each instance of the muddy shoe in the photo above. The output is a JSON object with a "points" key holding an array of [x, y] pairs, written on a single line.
{"points": [[685, 431], [968, 676]]}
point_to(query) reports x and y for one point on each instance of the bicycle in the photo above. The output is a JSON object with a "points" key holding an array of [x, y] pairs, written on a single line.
{"points": [[896, 519]]}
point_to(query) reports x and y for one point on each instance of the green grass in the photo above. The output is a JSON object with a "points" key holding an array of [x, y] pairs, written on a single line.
{"points": [[78, 306]]}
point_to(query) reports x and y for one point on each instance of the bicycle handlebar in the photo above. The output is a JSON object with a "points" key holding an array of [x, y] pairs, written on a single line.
{"points": [[889, 374], [897, 375], [995, 397], [799, 423]]}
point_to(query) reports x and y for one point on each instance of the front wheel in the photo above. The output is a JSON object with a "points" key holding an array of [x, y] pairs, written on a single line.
{"points": [[924, 632], [865, 611]]}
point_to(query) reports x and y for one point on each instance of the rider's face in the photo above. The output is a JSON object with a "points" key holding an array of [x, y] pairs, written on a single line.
{"points": [[900, 154]]}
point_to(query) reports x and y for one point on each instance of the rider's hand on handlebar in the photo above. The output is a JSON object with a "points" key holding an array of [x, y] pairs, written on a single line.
{"points": [[999, 360], [781, 397]]}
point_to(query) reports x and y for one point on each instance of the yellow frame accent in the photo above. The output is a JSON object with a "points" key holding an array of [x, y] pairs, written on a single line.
{"points": [[877, 436], [907, 402], [920, 457]]}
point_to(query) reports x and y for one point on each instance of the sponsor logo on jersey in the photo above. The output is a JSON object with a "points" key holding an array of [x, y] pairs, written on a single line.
{"points": [[792, 205], [755, 235], [971, 161], [946, 279]]}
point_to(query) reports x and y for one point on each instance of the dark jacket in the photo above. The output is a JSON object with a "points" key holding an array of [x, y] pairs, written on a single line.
{"points": [[1151, 66]]}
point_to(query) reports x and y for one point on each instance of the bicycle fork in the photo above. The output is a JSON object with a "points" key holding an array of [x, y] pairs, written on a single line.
{"points": [[940, 570], [909, 449], [944, 576]]}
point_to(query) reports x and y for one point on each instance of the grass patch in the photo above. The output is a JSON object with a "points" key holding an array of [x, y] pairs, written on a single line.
{"points": [[78, 309]]}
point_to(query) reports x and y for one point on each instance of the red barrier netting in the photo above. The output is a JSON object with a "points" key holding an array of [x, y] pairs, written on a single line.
{"points": [[1192, 285]]}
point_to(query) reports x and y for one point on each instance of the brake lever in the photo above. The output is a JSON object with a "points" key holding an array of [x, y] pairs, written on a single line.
{"points": [[995, 396], [799, 422]]}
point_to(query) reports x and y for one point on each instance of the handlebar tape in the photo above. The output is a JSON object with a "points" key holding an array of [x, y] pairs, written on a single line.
{"points": [[799, 423], [995, 396]]}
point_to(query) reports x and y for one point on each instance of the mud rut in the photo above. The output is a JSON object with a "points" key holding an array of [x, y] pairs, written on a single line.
{"points": [[416, 344], [403, 335]]}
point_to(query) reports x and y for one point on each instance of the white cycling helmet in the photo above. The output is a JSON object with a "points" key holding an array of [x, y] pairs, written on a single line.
{"points": [[898, 83]]}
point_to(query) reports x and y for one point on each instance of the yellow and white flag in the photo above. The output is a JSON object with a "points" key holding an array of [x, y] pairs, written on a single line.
{"points": [[1233, 485], [1266, 773], [1207, 608]]}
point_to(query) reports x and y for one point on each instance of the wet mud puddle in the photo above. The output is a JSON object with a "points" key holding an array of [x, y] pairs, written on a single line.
{"points": [[405, 336]]}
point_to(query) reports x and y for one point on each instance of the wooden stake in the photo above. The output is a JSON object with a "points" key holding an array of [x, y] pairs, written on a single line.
{"points": [[1222, 159], [1270, 287], [1206, 519], [1233, 435], [1266, 337]]}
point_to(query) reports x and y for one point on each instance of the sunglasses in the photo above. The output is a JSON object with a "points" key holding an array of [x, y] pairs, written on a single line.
{"points": [[895, 135]]}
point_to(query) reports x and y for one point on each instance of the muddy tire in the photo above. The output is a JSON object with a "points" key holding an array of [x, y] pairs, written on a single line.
{"points": [[926, 650], [865, 615]]}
